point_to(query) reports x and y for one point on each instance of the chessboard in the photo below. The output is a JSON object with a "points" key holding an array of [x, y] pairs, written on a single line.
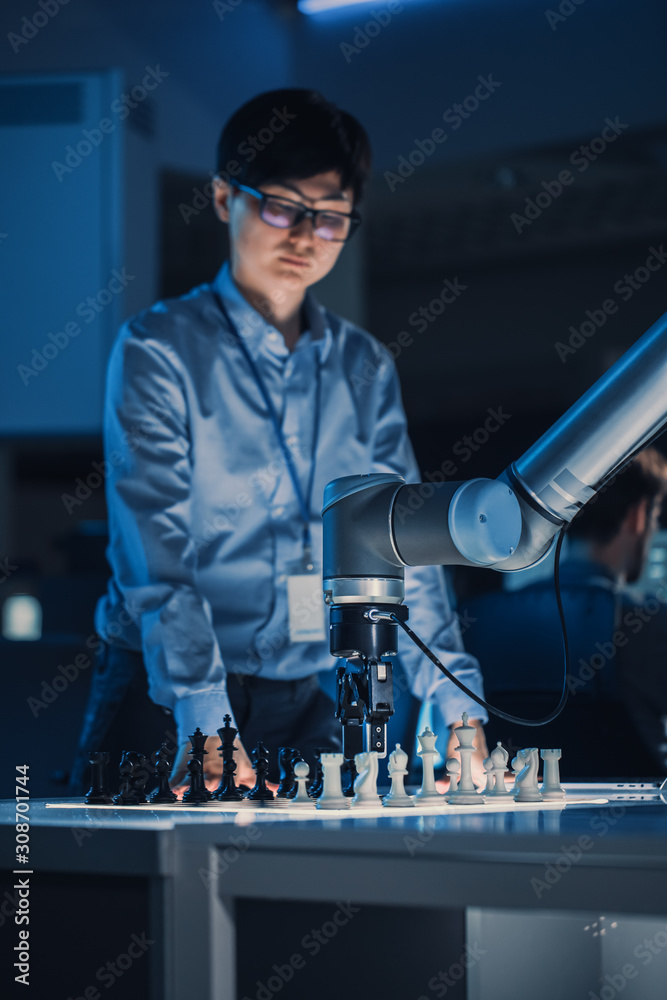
{"points": [[286, 810], [324, 795]]}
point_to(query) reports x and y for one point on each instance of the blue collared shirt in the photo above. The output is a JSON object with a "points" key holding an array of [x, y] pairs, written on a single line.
{"points": [[204, 522]]}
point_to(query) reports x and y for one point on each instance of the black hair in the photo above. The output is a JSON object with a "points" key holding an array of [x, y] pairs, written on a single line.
{"points": [[600, 520], [300, 134]]}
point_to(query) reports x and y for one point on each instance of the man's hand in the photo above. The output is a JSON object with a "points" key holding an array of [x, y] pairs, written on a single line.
{"points": [[477, 759], [244, 774]]}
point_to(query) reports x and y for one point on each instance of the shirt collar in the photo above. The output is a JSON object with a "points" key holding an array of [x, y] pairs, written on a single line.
{"points": [[254, 328]]}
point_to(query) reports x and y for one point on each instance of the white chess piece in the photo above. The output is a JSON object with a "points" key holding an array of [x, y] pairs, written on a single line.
{"points": [[397, 795], [366, 782], [466, 794], [551, 786], [518, 764], [490, 776], [301, 772], [427, 752], [525, 786], [499, 757], [332, 789], [453, 767]]}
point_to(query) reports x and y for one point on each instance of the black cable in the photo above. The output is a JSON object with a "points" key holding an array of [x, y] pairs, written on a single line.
{"points": [[480, 701]]}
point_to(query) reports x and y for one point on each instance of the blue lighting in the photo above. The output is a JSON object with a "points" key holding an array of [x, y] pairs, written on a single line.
{"points": [[317, 6]]}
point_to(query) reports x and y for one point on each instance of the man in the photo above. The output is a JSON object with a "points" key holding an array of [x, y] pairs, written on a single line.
{"points": [[252, 397], [613, 538], [614, 723]]}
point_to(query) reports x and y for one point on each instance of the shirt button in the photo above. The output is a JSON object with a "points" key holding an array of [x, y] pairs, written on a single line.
{"points": [[273, 335], [278, 511], [293, 440]]}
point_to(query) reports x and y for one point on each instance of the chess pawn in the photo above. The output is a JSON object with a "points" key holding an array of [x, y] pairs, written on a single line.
{"points": [[427, 752], [453, 768], [98, 793], [525, 786], [490, 776], [197, 792], [163, 793], [397, 796], [301, 772], [127, 795], [551, 786], [499, 757], [141, 772], [260, 761], [466, 794], [332, 790], [366, 782]]}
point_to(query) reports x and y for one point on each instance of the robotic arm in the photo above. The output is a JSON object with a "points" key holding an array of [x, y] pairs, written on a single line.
{"points": [[376, 525]]}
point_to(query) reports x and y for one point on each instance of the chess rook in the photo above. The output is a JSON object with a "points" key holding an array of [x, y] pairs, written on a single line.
{"points": [[331, 796], [98, 793], [551, 786]]}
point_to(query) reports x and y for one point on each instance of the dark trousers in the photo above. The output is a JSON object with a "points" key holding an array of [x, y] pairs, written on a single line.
{"points": [[121, 716]]}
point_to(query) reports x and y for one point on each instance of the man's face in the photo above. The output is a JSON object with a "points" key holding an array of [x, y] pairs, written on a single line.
{"points": [[273, 260]]}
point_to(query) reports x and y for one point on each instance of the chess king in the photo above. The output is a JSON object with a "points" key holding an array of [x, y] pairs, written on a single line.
{"points": [[227, 412]]}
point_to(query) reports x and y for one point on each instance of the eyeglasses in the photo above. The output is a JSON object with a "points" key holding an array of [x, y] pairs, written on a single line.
{"points": [[284, 213]]}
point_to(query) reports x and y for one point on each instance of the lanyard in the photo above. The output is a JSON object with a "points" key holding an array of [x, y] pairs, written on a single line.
{"points": [[304, 500]]}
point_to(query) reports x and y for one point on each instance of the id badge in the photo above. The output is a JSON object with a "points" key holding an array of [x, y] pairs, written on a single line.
{"points": [[305, 603]]}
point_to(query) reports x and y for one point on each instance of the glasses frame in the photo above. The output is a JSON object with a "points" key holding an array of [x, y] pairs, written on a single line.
{"points": [[303, 211]]}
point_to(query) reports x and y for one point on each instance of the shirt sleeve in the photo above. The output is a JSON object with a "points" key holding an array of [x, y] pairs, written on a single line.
{"points": [[431, 615], [147, 446]]}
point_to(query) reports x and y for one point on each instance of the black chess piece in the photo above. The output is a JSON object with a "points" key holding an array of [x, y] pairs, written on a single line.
{"points": [[163, 793], [227, 790], [197, 792], [98, 793], [142, 770], [198, 752], [127, 795], [349, 768], [317, 783], [287, 758], [260, 762]]}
